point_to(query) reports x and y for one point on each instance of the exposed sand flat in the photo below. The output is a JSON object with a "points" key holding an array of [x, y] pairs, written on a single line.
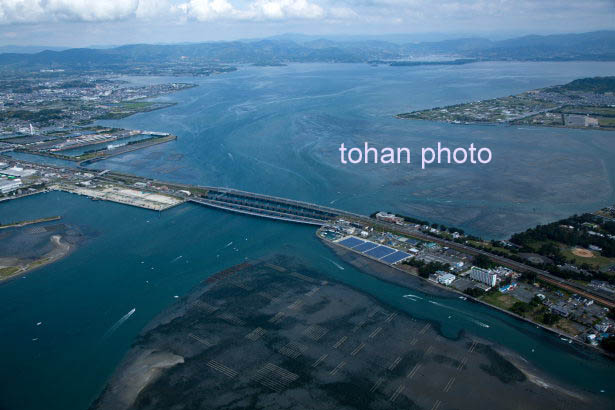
{"points": [[143, 370]]}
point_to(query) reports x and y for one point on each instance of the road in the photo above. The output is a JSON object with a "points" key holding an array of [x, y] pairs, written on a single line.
{"points": [[541, 274]]}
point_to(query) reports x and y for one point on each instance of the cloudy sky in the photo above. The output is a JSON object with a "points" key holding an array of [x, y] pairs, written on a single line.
{"points": [[111, 22]]}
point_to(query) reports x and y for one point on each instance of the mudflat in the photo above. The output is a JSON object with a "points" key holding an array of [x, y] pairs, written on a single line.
{"points": [[273, 334]]}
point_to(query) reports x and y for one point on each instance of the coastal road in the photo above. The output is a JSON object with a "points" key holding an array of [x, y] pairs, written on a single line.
{"points": [[518, 266], [605, 300]]}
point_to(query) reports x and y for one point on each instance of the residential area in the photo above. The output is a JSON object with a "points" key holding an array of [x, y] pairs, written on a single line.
{"points": [[523, 294]]}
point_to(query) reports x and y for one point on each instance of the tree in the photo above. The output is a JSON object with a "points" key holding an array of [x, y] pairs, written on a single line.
{"points": [[529, 277], [483, 261], [608, 344]]}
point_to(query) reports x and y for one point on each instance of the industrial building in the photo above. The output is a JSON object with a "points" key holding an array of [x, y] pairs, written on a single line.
{"points": [[9, 185], [18, 172]]}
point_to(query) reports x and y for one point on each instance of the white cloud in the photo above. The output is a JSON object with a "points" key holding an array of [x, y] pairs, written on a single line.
{"points": [[26, 11], [428, 13], [280, 9], [33, 11], [204, 10]]}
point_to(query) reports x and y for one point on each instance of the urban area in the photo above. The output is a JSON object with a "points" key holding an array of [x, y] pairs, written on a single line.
{"points": [[582, 103]]}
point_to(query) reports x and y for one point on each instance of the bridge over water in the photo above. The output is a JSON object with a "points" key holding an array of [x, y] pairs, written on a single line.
{"points": [[272, 207], [267, 206]]}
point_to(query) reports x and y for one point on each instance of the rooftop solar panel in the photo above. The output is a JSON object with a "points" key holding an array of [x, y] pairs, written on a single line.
{"points": [[365, 246], [380, 251], [395, 257], [351, 242]]}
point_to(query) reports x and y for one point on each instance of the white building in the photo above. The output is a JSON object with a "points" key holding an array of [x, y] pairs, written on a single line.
{"points": [[384, 216], [18, 172], [483, 275], [9, 185], [446, 278]]}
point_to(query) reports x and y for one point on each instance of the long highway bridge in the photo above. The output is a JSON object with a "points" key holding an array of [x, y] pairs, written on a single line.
{"points": [[312, 214], [289, 210], [266, 206]]}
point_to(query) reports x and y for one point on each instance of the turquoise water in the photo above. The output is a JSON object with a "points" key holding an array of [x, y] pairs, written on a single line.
{"points": [[276, 130]]}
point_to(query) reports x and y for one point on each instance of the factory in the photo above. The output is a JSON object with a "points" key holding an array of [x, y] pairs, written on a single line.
{"points": [[9, 185]]}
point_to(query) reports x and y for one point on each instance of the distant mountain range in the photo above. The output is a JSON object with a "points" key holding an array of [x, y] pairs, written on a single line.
{"points": [[599, 45]]}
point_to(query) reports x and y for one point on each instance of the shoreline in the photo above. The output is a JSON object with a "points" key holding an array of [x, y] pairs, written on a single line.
{"points": [[506, 124], [60, 251], [445, 289]]}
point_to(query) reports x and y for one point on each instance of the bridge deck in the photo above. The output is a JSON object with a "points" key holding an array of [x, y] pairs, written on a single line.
{"points": [[265, 206]]}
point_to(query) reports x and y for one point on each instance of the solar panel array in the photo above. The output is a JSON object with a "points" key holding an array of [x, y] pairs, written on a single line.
{"points": [[351, 242], [365, 247], [383, 253], [380, 252], [395, 257]]}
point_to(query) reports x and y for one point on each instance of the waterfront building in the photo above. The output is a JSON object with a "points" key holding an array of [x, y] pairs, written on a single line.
{"points": [[384, 216], [446, 278], [9, 185], [483, 275]]}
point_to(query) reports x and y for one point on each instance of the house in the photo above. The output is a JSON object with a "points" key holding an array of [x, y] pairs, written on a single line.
{"points": [[445, 278], [560, 310]]}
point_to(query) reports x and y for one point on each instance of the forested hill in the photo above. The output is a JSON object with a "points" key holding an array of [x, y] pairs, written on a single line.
{"points": [[598, 45]]}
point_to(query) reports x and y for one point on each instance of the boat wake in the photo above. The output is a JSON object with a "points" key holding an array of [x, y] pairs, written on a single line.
{"points": [[412, 297], [340, 267], [480, 323], [118, 323], [176, 259], [476, 322]]}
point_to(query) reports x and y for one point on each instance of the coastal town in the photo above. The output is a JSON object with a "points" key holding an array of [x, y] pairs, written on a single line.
{"points": [[577, 305], [573, 297], [584, 103], [523, 294]]}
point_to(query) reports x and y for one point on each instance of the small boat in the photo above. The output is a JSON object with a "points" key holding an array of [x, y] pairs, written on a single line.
{"points": [[463, 298]]}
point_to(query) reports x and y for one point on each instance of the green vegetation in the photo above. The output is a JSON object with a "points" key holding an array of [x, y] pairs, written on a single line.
{"points": [[483, 261], [582, 103], [8, 271], [474, 292], [573, 231], [520, 308], [608, 344], [595, 85], [550, 319], [426, 269], [128, 108], [412, 220], [43, 115]]}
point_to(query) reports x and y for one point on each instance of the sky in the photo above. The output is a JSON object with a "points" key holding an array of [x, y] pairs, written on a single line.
{"points": [[81, 23]]}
